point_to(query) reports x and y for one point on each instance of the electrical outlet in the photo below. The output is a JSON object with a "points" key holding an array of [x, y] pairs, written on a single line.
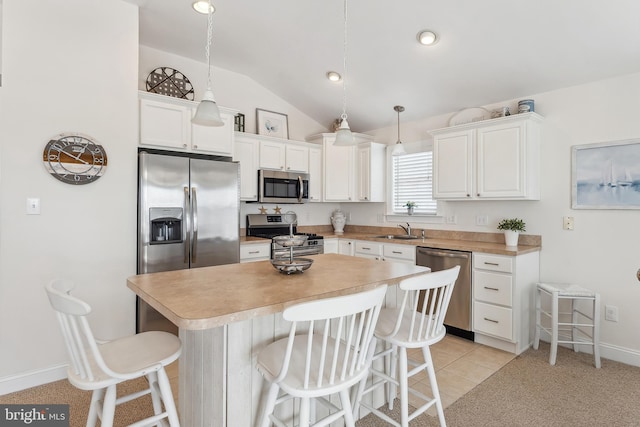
{"points": [[482, 220], [611, 313], [567, 223], [452, 219]]}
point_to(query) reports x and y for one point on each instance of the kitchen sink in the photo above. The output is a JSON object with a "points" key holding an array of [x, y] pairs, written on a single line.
{"points": [[396, 236]]}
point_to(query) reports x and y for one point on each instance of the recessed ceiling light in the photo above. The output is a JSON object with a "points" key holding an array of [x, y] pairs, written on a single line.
{"points": [[202, 6], [333, 76], [427, 37]]}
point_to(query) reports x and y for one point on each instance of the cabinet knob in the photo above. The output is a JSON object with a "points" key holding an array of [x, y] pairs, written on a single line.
{"points": [[195, 147], [478, 194], [184, 145], [468, 195]]}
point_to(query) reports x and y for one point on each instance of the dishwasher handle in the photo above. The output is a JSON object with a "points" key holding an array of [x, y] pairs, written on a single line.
{"points": [[443, 254]]}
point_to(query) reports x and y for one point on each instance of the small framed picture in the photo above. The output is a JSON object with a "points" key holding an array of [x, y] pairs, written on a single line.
{"points": [[606, 175], [271, 123]]}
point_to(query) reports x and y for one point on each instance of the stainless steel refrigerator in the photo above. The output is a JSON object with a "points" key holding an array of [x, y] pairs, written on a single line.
{"points": [[188, 217]]}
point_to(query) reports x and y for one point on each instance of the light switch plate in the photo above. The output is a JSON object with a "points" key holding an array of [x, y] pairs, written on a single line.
{"points": [[33, 206]]}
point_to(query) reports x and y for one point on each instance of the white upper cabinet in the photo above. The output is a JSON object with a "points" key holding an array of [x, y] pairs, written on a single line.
{"points": [[352, 174], [246, 151], [214, 139], [297, 158], [272, 155], [371, 172], [496, 159], [166, 122], [284, 156], [315, 174]]}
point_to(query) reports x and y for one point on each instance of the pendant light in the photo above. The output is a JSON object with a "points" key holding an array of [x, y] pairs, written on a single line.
{"points": [[398, 150], [207, 113], [344, 137]]}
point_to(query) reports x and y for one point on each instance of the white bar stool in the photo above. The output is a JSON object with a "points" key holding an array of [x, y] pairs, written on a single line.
{"points": [[582, 329]]}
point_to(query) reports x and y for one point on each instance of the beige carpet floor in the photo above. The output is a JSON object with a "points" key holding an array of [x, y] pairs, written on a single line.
{"points": [[529, 392], [525, 392]]}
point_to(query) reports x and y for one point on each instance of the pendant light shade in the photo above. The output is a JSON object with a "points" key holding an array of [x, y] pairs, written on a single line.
{"points": [[207, 113], [344, 137], [398, 149]]}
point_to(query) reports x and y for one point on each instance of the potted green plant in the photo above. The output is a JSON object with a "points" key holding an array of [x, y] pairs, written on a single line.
{"points": [[512, 228], [410, 205]]}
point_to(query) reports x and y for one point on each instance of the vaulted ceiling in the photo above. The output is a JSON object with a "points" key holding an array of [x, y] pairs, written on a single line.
{"points": [[488, 51]]}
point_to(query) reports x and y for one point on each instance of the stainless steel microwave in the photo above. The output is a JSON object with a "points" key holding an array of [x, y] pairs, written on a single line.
{"points": [[282, 187]]}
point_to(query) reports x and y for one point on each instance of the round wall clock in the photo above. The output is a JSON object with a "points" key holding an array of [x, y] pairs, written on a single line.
{"points": [[74, 158]]}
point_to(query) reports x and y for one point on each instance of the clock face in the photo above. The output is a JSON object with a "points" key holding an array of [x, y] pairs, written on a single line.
{"points": [[74, 158]]}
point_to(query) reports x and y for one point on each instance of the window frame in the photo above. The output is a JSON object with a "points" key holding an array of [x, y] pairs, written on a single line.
{"points": [[411, 147]]}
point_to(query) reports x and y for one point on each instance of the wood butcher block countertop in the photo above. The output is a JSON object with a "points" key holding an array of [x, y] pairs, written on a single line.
{"points": [[208, 297]]}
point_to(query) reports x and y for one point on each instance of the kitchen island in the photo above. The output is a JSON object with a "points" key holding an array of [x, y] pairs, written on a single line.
{"points": [[227, 313]]}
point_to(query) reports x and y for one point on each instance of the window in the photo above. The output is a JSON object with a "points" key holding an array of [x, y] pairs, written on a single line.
{"points": [[412, 180]]}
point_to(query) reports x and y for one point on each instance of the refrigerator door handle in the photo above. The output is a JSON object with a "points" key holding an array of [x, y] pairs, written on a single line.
{"points": [[194, 213], [187, 226], [300, 189]]}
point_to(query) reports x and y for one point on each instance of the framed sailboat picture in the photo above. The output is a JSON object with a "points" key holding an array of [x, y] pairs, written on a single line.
{"points": [[606, 175]]}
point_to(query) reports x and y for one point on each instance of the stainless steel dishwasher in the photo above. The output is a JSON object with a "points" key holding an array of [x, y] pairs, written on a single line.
{"points": [[458, 318]]}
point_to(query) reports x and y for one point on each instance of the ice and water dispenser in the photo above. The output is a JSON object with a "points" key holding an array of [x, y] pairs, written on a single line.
{"points": [[166, 225]]}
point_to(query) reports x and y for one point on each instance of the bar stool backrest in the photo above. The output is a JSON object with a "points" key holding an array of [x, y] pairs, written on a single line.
{"points": [[338, 334], [424, 306]]}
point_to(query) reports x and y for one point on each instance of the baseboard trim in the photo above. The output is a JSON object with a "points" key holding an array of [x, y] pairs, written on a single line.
{"points": [[27, 380], [620, 354], [609, 351]]}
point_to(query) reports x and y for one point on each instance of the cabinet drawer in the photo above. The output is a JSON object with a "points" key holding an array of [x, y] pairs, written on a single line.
{"points": [[255, 252], [492, 320], [493, 263], [493, 288], [405, 252], [369, 248]]}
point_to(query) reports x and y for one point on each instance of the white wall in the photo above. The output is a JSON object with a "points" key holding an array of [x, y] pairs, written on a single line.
{"points": [[68, 65], [602, 252]]}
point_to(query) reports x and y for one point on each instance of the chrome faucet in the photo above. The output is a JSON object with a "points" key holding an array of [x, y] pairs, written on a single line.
{"points": [[407, 228]]}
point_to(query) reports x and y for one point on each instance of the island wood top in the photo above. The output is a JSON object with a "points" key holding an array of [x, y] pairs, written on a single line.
{"points": [[208, 297]]}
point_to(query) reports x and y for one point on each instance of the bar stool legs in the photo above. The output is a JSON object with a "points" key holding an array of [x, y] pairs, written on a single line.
{"points": [[583, 328]]}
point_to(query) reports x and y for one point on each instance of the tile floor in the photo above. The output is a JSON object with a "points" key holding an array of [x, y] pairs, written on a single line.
{"points": [[460, 366]]}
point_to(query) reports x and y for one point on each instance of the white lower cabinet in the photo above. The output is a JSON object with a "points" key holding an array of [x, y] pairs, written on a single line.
{"points": [[399, 253], [346, 247], [251, 252], [503, 292], [366, 249], [330, 246]]}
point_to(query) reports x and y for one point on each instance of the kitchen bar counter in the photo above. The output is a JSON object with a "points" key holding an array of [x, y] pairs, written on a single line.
{"points": [[208, 297], [225, 313]]}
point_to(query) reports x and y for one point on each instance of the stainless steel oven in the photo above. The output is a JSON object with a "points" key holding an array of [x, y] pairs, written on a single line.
{"points": [[313, 246], [282, 187], [269, 226]]}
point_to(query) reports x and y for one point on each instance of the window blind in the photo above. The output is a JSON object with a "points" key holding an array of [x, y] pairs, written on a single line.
{"points": [[413, 181]]}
